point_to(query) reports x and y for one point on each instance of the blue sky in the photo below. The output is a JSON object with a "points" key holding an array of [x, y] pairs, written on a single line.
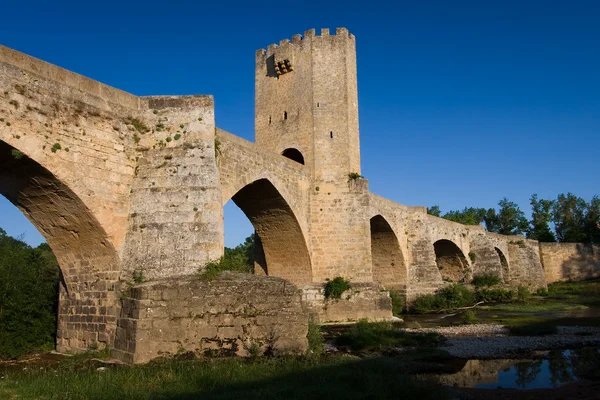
{"points": [[461, 102]]}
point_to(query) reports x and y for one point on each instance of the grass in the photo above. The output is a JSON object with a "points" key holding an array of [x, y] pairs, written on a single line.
{"points": [[375, 336], [261, 378]]}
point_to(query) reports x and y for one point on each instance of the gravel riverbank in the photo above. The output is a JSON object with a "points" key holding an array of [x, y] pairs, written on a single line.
{"points": [[484, 341]]}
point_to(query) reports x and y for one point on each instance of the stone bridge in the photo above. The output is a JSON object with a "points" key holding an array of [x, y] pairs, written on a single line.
{"points": [[129, 193]]}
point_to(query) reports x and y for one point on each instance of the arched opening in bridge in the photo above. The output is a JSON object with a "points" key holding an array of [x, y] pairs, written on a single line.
{"points": [[86, 259], [504, 264], [389, 269], [451, 261], [279, 245], [294, 154]]}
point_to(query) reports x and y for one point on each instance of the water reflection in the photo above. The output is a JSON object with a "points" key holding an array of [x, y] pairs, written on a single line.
{"points": [[558, 367]]}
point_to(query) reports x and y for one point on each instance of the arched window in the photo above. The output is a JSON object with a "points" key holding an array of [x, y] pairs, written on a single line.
{"points": [[293, 154]]}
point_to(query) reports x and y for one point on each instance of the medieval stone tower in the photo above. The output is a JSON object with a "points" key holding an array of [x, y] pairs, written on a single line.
{"points": [[307, 102], [307, 110]]}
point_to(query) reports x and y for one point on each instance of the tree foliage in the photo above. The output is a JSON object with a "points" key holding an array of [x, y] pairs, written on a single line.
{"points": [[567, 219], [541, 215], [29, 279]]}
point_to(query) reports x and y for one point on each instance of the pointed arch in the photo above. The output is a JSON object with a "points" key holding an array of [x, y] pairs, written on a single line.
{"points": [[283, 244], [504, 263], [389, 268], [450, 260], [88, 261]]}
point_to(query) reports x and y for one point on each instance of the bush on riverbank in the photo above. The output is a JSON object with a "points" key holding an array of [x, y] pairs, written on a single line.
{"points": [[458, 296]]}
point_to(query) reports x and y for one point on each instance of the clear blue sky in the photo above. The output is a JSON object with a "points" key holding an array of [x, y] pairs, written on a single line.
{"points": [[461, 102]]}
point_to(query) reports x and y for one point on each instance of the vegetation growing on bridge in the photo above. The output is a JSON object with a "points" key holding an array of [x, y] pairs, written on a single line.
{"points": [[29, 279], [568, 218]]}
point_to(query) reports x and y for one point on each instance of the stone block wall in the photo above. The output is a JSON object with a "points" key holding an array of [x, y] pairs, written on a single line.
{"points": [[175, 224], [363, 300], [525, 265], [226, 316], [570, 261]]}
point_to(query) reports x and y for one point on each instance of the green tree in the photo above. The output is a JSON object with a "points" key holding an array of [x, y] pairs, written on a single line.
{"points": [[434, 210], [241, 257], [569, 216], [468, 216], [511, 220], [29, 279], [541, 215], [492, 221], [592, 221]]}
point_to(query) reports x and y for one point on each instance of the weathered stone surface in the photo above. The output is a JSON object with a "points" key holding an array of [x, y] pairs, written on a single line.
{"points": [[363, 300], [229, 315], [570, 261]]}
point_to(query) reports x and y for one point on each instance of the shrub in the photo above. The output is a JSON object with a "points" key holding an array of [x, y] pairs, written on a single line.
{"points": [[486, 279], [542, 292], [494, 295], [137, 124], [472, 256], [523, 294], [352, 176], [315, 339], [56, 147], [336, 287], [449, 297], [424, 304], [397, 302]]}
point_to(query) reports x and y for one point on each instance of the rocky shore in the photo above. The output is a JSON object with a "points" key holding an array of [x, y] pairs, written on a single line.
{"points": [[485, 341]]}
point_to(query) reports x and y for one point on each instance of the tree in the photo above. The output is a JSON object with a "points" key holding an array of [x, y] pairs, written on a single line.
{"points": [[511, 220], [541, 215], [492, 221], [592, 221], [569, 216], [434, 210], [29, 279], [241, 257], [468, 216]]}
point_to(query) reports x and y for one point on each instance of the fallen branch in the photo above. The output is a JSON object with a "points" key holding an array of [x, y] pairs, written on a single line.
{"points": [[461, 308]]}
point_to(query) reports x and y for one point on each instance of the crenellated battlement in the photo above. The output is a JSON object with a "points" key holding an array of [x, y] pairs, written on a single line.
{"points": [[308, 35]]}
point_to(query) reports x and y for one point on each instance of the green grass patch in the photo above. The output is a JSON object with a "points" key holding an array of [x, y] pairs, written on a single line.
{"points": [[374, 336], [262, 378]]}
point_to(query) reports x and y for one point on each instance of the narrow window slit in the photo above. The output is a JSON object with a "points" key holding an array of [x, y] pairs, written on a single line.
{"points": [[331, 134], [285, 115]]}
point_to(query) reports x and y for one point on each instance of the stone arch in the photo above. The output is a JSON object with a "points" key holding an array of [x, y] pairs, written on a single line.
{"points": [[280, 235], [294, 154], [389, 268], [88, 261], [504, 264], [450, 260]]}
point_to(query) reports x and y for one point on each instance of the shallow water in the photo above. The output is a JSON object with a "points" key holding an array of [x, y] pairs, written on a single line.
{"points": [[557, 368]]}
